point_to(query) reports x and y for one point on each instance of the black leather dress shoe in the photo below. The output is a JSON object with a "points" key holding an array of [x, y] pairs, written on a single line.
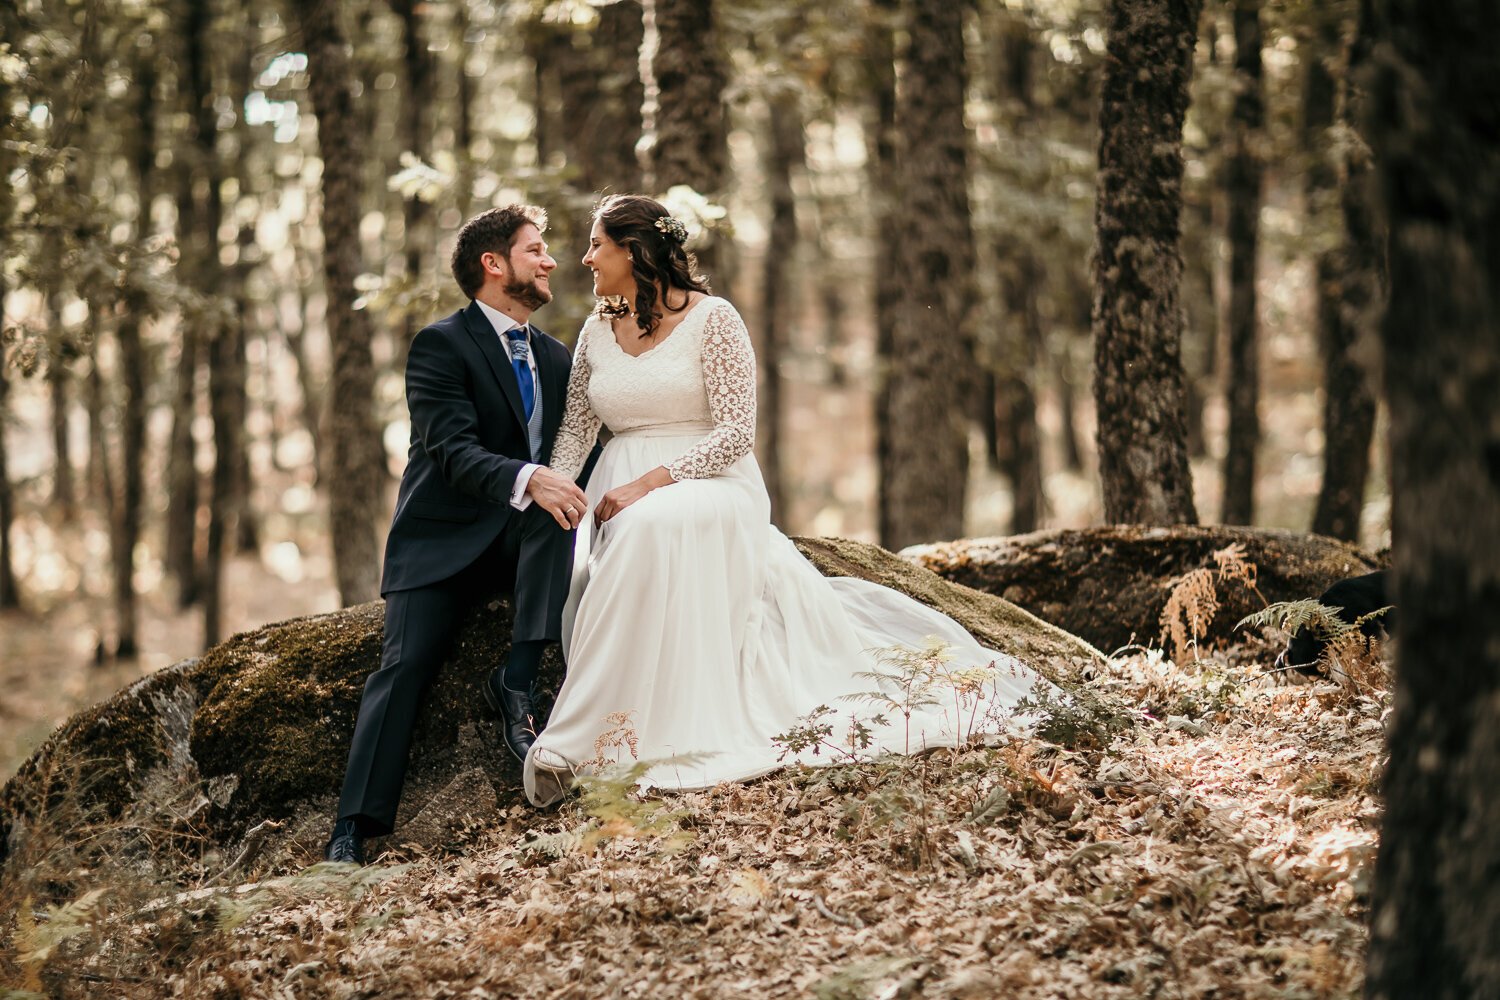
{"points": [[345, 847], [517, 714]]}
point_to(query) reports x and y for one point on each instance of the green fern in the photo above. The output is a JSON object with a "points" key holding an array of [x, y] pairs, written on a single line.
{"points": [[1293, 616]]}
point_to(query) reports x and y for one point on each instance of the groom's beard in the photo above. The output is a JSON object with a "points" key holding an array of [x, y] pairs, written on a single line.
{"points": [[527, 293]]}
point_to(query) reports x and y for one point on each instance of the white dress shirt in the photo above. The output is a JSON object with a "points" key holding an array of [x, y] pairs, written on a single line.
{"points": [[503, 324]]}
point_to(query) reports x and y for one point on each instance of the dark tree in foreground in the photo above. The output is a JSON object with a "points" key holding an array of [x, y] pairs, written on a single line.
{"points": [[923, 443], [1434, 121], [1138, 380], [1349, 295], [355, 463], [1242, 181]]}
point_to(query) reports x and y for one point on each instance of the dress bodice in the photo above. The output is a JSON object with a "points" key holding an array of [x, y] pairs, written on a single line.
{"points": [[698, 381]]}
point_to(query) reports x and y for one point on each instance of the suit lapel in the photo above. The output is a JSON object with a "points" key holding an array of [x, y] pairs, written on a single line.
{"points": [[488, 342], [547, 384]]}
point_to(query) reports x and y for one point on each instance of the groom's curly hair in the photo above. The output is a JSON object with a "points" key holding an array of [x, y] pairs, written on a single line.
{"points": [[492, 231], [657, 259]]}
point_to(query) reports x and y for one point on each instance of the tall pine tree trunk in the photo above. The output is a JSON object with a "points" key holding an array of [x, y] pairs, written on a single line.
{"points": [[786, 152], [1434, 126], [416, 131], [1348, 306], [1243, 181], [126, 534], [1137, 266], [1012, 415], [613, 115], [356, 459], [223, 336], [880, 42], [683, 109], [929, 368]]}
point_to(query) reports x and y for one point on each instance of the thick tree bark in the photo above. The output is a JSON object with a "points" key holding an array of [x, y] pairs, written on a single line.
{"points": [[929, 368], [1243, 183], [356, 459], [683, 110], [1434, 125], [182, 474], [1348, 300], [1137, 267], [786, 153]]}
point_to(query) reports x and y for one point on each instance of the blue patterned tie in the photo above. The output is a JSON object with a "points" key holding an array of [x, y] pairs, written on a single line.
{"points": [[520, 360]]}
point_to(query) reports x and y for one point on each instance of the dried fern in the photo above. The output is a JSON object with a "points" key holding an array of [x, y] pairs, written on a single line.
{"points": [[1194, 599]]}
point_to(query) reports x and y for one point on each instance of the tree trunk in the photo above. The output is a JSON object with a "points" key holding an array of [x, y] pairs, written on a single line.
{"points": [[209, 278], [1137, 320], [929, 369], [463, 126], [356, 459], [614, 115], [243, 526], [1202, 207], [10, 596], [880, 37], [683, 110], [1014, 415], [182, 474], [1348, 305], [126, 534], [779, 286], [1243, 181], [416, 133], [1434, 125], [1015, 438], [64, 495]]}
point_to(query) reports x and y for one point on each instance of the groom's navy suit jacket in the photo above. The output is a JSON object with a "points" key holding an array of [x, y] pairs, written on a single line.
{"points": [[468, 444]]}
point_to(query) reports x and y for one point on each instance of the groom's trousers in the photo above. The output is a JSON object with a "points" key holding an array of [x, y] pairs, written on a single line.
{"points": [[531, 558]]}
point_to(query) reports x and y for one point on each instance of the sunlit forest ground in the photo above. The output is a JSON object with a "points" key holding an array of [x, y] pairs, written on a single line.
{"points": [[47, 664]]}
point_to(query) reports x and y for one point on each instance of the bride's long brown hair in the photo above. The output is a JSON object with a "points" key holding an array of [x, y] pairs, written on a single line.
{"points": [[656, 258]]}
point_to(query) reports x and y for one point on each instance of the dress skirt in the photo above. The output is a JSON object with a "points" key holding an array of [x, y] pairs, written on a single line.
{"points": [[695, 631]]}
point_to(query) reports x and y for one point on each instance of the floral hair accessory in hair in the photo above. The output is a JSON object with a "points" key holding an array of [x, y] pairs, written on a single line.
{"points": [[674, 228]]}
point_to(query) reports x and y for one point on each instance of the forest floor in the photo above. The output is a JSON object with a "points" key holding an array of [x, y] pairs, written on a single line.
{"points": [[1214, 839]]}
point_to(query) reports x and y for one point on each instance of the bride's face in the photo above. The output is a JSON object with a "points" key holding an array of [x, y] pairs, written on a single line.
{"points": [[610, 262]]}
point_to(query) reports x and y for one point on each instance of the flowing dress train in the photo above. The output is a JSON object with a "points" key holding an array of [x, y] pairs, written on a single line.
{"points": [[693, 626]]}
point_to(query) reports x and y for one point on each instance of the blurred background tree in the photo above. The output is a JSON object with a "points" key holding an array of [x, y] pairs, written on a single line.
{"points": [[223, 221]]}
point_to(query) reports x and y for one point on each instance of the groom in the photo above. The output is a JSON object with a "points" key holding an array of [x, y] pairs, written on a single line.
{"points": [[476, 506]]}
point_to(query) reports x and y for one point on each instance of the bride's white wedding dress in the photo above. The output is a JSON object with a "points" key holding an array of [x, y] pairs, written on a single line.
{"points": [[688, 611]]}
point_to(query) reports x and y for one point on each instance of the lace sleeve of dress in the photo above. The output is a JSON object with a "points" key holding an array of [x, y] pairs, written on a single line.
{"points": [[729, 378], [580, 425]]}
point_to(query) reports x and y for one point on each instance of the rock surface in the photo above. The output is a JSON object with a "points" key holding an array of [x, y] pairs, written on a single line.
{"points": [[258, 728], [1108, 585]]}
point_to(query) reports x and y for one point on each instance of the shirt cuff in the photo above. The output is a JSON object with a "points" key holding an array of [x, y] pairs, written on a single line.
{"points": [[518, 498]]}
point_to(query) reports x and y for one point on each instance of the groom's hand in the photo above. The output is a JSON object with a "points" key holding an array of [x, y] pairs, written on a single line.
{"points": [[560, 497]]}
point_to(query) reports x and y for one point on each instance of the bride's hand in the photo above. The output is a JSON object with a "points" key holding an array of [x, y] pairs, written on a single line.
{"points": [[621, 497]]}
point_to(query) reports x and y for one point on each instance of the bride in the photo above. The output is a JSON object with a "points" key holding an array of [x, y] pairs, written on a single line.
{"points": [[693, 627]]}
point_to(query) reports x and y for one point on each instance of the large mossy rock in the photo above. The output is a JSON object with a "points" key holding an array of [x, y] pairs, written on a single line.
{"points": [[258, 728], [1109, 585]]}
